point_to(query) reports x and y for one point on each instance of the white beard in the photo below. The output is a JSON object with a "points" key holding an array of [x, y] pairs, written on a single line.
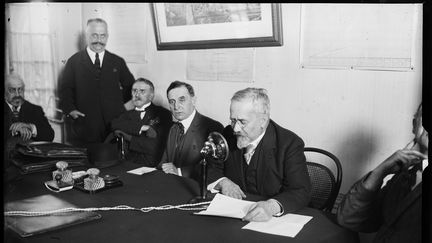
{"points": [[242, 142]]}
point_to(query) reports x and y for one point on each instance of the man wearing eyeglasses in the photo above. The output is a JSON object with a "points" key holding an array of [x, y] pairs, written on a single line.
{"points": [[22, 119], [95, 88], [144, 128], [188, 134], [265, 159]]}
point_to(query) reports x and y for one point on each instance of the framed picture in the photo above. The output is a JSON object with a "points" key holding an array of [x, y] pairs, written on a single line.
{"points": [[216, 25]]}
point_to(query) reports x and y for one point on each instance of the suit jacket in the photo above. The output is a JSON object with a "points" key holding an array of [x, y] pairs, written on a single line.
{"points": [[100, 95], [193, 142], [146, 147], [281, 167], [396, 217], [29, 113]]}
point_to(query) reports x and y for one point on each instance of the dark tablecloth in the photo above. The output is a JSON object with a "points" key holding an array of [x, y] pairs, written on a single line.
{"points": [[156, 189]]}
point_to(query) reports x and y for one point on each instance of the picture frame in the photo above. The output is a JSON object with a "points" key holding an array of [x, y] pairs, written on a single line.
{"points": [[180, 26]]}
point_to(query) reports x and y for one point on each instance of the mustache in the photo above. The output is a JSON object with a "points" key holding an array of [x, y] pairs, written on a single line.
{"points": [[17, 98], [97, 42]]}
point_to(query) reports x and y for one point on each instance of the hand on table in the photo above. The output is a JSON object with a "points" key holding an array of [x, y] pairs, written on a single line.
{"points": [[169, 168], [229, 188], [262, 211]]}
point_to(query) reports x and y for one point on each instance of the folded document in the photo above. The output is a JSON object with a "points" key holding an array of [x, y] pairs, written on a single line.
{"points": [[287, 225]]}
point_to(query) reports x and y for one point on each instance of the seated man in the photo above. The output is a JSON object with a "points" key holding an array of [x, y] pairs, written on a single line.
{"points": [[22, 119], [395, 210], [187, 136], [146, 127], [264, 159]]}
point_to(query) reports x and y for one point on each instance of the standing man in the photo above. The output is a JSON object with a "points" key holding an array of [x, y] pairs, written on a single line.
{"points": [[23, 119], [95, 87], [146, 127], [188, 134], [264, 159]]}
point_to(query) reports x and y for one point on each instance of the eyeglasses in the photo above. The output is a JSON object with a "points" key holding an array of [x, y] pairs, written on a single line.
{"points": [[15, 90], [241, 123], [138, 91]]}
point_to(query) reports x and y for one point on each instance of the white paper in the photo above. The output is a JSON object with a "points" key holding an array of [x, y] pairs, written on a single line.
{"points": [[141, 170], [230, 65], [287, 225], [225, 206]]}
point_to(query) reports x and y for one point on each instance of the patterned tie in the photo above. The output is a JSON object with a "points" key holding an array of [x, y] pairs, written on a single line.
{"points": [[15, 114], [248, 152], [97, 61], [180, 130], [179, 138]]}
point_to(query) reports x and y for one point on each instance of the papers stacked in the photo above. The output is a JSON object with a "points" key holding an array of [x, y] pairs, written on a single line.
{"points": [[141, 170], [287, 225]]}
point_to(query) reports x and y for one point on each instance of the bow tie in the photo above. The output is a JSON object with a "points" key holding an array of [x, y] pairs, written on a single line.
{"points": [[140, 110]]}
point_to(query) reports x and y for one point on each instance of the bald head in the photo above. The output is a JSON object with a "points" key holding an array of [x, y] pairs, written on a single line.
{"points": [[14, 89]]}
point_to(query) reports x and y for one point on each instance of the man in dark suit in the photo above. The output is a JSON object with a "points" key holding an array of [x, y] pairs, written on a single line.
{"points": [[23, 119], [187, 136], [146, 127], [94, 88], [264, 159], [395, 210]]}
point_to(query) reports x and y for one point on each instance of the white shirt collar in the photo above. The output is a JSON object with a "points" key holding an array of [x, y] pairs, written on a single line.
{"points": [[255, 142], [187, 122], [425, 163], [11, 106], [92, 55], [142, 108]]}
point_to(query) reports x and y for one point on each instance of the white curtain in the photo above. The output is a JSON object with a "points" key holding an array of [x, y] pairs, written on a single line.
{"points": [[30, 52]]}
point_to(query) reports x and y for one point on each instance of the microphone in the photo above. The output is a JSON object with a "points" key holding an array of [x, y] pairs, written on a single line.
{"points": [[215, 147]]}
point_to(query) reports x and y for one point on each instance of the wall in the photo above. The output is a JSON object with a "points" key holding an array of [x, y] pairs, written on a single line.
{"points": [[361, 116]]}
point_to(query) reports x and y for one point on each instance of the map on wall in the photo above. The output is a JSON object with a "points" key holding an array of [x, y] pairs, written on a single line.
{"points": [[360, 36]]}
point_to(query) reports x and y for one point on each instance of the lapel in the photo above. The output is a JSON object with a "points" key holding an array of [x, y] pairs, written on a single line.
{"points": [[407, 201], [189, 135], [149, 114], [237, 162], [266, 155]]}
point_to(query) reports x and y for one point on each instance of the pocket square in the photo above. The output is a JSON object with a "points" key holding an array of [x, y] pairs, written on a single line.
{"points": [[114, 70]]}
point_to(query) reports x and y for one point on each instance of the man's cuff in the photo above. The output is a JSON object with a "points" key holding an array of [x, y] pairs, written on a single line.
{"points": [[33, 129], [277, 206], [179, 172], [211, 186]]}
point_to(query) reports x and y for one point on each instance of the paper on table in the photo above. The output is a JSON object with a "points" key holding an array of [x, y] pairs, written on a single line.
{"points": [[141, 170], [287, 225], [225, 206]]}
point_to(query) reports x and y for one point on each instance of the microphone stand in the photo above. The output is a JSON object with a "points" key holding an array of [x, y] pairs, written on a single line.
{"points": [[216, 147], [203, 186]]}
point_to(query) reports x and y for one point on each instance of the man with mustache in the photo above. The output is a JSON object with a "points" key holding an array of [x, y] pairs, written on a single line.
{"points": [[145, 128], [265, 159], [95, 88], [188, 134], [393, 210], [22, 119]]}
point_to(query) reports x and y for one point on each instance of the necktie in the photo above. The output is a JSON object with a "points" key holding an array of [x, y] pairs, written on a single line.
{"points": [[413, 174], [97, 61], [141, 112], [179, 137], [180, 129], [248, 152], [15, 114]]}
